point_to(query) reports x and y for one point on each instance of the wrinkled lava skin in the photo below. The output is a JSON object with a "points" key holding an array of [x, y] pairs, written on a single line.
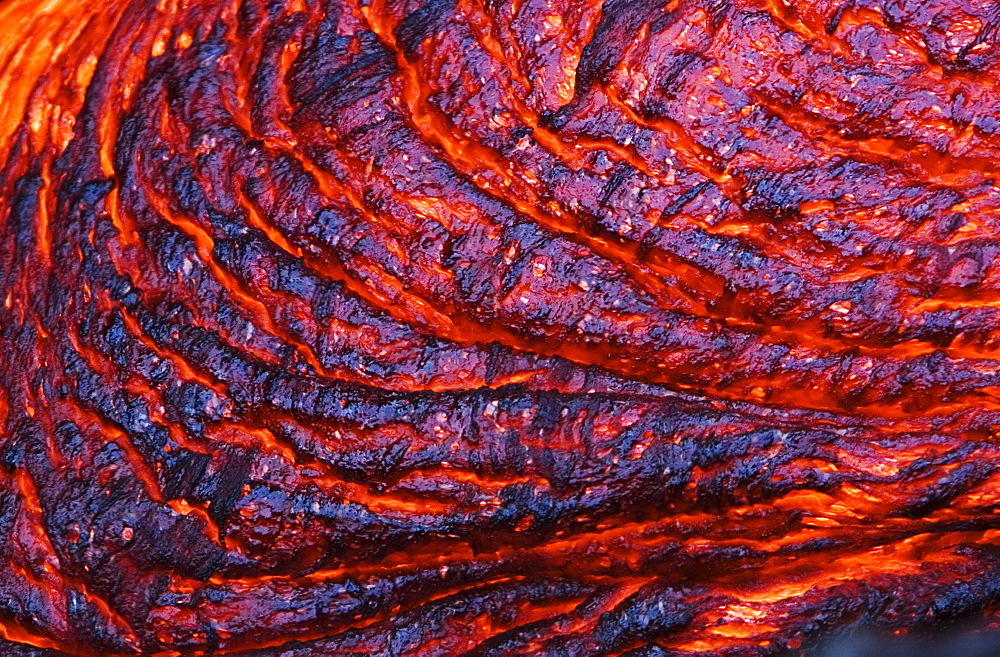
{"points": [[496, 327]]}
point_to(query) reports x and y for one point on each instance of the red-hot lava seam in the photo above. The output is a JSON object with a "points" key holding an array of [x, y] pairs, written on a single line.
{"points": [[496, 327]]}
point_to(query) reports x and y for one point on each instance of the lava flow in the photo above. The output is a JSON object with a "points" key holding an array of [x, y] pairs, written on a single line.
{"points": [[639, 328]]}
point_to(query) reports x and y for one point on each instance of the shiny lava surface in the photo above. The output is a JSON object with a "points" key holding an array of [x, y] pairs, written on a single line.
{"points": [[496, 327]]}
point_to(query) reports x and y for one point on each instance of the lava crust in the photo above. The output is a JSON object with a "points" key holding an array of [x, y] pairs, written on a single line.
{"points": [[496, 327]]}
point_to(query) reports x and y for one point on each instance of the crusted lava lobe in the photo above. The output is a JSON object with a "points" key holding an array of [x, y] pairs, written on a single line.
{"points": [[496, 327]]}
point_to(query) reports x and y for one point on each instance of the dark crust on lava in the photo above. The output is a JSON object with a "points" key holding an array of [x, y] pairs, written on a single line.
{"points": [[495, 327]]}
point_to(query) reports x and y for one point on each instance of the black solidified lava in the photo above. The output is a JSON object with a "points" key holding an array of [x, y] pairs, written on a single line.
{"points": [[496, 327]]}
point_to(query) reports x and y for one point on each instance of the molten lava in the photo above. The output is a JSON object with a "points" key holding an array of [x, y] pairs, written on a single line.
{"points": [[496, 327]]}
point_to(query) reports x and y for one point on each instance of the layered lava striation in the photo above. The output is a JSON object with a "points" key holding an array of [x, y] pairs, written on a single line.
{"points": [[496, 327]]}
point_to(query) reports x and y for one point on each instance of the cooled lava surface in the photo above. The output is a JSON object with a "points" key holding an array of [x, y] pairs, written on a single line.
{"points": [[496, 327]]}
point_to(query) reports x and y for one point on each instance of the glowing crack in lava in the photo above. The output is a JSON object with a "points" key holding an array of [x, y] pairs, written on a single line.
{"points": [[496, 327]]}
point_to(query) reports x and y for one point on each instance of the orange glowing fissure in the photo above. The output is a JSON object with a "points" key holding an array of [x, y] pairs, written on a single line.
{"points": [[520, 327]]}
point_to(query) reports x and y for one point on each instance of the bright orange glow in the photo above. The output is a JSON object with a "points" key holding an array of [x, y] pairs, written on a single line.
{"points": [[508, 327]]}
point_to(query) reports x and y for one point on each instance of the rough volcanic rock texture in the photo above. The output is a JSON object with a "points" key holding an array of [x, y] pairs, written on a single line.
{"points": [[496, 327]]}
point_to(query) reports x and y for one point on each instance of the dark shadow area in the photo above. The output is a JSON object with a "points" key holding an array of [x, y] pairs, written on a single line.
{"points": [[967, 640]]}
